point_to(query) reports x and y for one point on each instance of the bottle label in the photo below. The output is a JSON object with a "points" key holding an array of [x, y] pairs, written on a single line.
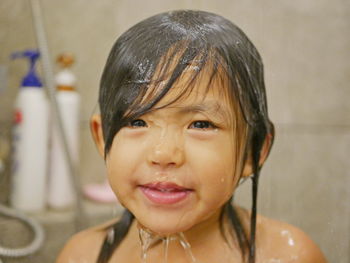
{"points": [[18, 119]]}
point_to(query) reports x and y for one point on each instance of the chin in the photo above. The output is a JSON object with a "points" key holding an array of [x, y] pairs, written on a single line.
{"points": [[165, 230], [164, 226]]}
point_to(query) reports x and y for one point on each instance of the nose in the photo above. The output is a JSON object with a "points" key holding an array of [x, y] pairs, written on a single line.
{"points": [[166, 151]]}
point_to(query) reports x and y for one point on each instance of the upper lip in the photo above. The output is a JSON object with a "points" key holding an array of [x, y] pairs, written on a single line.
{"points": [[165, 186]]}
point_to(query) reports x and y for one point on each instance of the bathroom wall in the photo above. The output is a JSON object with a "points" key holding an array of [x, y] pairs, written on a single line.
{"points": [[305, 46]]}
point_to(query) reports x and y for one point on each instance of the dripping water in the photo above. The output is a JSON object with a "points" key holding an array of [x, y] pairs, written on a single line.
{"points": [[187, 247], [148, 239], [166, 241]]}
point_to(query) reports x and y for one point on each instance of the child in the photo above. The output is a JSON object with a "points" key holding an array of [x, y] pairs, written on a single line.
{"points": [[183, 121]]}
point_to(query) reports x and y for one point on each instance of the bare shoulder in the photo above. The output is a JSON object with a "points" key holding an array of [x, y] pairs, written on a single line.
{"points": [[281, 241], [85, 245]]}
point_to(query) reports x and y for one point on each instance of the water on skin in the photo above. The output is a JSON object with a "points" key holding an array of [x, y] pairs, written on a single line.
{"points": [[187, 247], [147, 239], [165, 248], [287, 234]]}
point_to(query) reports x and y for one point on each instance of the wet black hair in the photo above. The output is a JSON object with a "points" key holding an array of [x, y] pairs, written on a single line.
{"points": [[157, 50]]}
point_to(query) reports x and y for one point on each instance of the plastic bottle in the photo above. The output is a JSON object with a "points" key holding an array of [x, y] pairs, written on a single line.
{"points": [[30, 141], [60, 186]]}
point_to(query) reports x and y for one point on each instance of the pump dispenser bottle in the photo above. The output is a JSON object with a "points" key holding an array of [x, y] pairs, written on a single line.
{"points": [[60, 186], [30, 139]]}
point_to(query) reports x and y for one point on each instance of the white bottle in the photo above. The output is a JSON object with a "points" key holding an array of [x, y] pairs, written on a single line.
{"points": [[60, 186], [30, 140]]}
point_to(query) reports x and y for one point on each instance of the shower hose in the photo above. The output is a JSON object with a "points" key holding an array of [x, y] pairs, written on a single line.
{"points": [[37, 229]]}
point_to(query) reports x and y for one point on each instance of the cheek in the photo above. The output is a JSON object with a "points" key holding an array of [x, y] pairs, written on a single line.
{"points": [[119, 165], [217, 188], [116, 179], [214, 168]]}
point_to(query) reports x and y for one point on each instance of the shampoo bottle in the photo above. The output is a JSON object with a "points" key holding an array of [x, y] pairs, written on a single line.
{"points": [[60, 187], [30, 139]]}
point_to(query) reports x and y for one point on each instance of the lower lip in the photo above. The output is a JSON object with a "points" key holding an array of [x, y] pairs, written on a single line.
{"points": [[164, 198]]}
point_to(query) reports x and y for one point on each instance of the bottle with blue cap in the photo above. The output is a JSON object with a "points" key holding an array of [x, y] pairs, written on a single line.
{"points": [[30, 140]]}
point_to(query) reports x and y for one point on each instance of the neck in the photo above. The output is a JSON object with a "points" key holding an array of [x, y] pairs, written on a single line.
{"points": [[190, 245]]}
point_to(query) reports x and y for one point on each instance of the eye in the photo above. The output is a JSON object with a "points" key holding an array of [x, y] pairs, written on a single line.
{"points": [[137, 123], [202, 125]]}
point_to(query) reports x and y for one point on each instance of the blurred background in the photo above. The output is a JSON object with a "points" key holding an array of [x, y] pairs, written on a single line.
{"points": [[305, 46]]}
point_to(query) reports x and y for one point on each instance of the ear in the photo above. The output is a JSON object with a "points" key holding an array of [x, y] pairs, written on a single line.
{"points": [[265, 150], [96, 132]]}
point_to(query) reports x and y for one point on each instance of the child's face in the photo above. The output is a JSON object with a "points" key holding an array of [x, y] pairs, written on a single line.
{"points": [[174, 168]]}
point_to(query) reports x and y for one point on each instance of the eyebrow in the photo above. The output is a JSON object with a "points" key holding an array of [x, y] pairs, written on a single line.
{"points": [[209, 107]]}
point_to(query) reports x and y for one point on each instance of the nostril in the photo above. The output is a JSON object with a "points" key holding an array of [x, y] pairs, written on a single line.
{"points": [[165, 155], [168, 164]]}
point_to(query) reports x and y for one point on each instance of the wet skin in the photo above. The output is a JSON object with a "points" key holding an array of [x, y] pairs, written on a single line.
{"points": [[176, 164], [186, 149], [274, 239]]}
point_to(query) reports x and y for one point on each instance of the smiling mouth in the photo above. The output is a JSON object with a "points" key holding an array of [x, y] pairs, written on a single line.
{"points": [[165, 193]]}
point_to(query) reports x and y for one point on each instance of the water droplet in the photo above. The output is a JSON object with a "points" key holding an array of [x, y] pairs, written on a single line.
{"points": [[290, 241], [287, 234]]}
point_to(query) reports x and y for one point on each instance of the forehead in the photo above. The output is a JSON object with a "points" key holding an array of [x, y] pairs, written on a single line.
{"points": [[208, 85]]}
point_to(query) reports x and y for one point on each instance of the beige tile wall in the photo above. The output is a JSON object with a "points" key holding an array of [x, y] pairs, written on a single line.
{"points": [[305, 46]]}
